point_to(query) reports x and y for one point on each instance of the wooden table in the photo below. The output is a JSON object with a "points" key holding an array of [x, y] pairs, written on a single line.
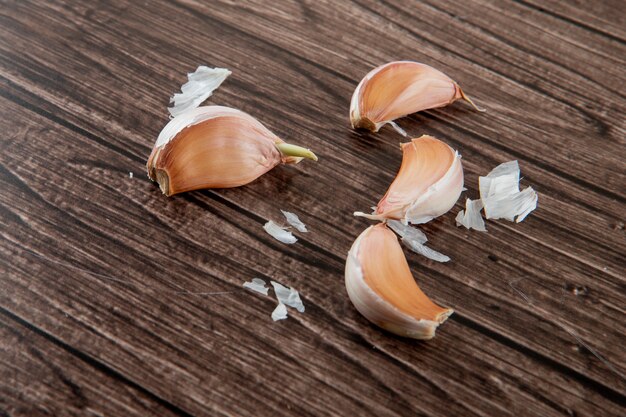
{"points": [[118, 301]]}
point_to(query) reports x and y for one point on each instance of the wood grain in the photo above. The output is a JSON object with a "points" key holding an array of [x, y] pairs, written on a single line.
{"points": [[42, 377], [101, 262]]}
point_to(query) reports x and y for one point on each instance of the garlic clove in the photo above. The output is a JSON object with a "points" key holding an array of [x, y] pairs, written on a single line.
{"points": [[381, 287], [216, 147], [428, 184], [398, 89]]}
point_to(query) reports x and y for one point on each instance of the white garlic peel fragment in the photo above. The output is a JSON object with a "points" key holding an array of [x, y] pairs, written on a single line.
{"points": [[518, 204], [527, 203], [293, 220], [471, 217], [415, 240], [200, 85], [279, 233], [500, 194], [381, 287], [407, 232], [257, 285], [280, 312], [398, 129], [425, 251], [288, 296]]}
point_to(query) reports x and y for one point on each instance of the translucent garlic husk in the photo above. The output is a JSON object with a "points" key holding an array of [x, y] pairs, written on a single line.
{"points": [[400, 88], [428, 184], [216, 147], [381, 287]]}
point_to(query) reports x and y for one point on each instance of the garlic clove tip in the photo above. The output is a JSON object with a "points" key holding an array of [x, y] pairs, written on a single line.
{"points": [[469, 100]]}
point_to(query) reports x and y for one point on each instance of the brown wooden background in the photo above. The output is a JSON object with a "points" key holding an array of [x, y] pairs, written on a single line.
{"points": [[100, 272]]}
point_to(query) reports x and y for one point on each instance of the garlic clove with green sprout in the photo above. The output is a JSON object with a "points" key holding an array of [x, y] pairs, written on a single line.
{"points": [[428, 184], [216, 147], [400, 88], [381, 287]]}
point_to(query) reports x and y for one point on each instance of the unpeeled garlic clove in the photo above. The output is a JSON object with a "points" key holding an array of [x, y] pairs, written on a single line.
{"points": [[428, 184], [216, 147], [381, 287], [398, 89]]}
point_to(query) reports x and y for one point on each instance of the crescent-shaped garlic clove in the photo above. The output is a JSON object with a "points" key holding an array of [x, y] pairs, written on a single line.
{"points": [[400, 88], [428, 184], [381, 287], [216, 147]]}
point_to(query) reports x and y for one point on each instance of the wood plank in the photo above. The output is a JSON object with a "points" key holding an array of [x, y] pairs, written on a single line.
{"points": [[607, 18], [42, 377], [223, 353]]}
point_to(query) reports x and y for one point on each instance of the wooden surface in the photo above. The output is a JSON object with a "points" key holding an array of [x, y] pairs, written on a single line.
{"points": [[104, 281]]}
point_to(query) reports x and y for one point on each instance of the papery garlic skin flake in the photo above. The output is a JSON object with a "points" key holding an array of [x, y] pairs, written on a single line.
{"points": [[200, 85], [405, 231], [280, 312], [501, 196], [398, 129], [381, 287], [288, 296], [279, 233], [515, 205], [415, 240], [295, 221], [257, 285], [400, 88], [471, 217], [527, 204], [428, 184], [216, 147], [425, 251]]}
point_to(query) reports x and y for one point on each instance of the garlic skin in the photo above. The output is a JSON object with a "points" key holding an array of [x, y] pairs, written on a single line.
{"points": [[415, 240], [381, 287], [400, 88], [294, 220], [470, 217], [257, 285], [200, 86], [428, 184], [279, 233], [501, 196], [216, 147]]}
